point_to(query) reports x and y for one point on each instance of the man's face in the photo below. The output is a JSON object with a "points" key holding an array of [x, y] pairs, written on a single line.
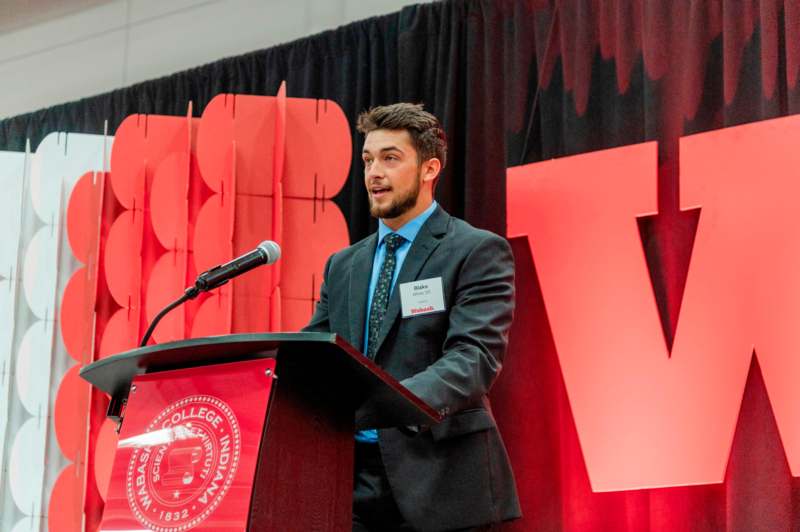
{"points": [[391, 172]]}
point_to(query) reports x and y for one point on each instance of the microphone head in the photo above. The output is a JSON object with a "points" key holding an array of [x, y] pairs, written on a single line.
{"points": [[271, 249]]}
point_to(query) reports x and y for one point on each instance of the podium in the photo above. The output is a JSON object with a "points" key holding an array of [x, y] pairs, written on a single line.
{"points": [[243, 432]]}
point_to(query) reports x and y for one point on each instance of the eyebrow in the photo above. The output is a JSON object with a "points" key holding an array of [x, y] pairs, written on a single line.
{"points": [[382, 150]]}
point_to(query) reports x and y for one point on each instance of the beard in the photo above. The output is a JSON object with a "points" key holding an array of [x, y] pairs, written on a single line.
{"points": [[399, 206]]}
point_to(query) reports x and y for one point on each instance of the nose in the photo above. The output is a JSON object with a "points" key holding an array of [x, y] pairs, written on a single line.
{"points": [[374, 171]]}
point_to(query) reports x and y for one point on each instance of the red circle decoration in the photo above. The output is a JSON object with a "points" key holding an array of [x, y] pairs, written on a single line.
{"points": [[64, 510], [142, 142], [254, 134], [253, 222], [212, 316], [105, 448], [295, 313], [319, 148], [169, 199], [72, 402], [215, 147], [80, 227], [75, 315], [165, 285], [120, 334], [128, 159], [213, 234], [122, 258], [335, 148], [308, 239]]}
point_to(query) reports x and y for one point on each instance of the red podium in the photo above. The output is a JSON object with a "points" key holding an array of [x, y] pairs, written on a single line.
{"points": [[242, 432]]}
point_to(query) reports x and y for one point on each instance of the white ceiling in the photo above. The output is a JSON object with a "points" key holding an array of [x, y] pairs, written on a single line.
{"points": [[53, 52], [18, 14]]}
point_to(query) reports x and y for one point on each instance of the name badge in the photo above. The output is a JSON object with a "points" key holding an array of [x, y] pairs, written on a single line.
{"points": [[421, 297]]}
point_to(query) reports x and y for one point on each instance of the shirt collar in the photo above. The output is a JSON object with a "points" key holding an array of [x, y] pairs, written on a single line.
{"points": [[410, 229]]}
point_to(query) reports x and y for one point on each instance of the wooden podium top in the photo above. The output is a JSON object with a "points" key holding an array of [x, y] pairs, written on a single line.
{"points": [[324, 354]]}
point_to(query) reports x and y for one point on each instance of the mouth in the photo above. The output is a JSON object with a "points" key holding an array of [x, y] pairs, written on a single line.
{"points": [[377, 191]]}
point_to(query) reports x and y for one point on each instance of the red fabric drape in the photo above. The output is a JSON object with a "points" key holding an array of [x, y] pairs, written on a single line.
{"points": [[618, 72]]}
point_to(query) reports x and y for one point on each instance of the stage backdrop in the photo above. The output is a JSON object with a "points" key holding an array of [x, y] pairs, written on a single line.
{"points": [[516, 83]]}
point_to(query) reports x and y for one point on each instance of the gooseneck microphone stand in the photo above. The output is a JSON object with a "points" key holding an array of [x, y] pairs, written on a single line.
{"points": [[266, 252], [190, 293]]}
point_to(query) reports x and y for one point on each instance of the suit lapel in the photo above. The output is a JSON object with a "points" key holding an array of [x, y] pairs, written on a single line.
{"points": [[360, 274], [424, 244]]}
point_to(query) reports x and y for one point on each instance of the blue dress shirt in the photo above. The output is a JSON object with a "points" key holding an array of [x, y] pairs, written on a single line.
{"points": [[409, 231]]}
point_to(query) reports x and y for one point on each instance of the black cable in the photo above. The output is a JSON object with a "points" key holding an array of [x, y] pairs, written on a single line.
{"points": [[190, 293]]}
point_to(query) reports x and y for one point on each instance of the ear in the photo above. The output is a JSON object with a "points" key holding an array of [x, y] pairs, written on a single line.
{"points": [[431, 169]]}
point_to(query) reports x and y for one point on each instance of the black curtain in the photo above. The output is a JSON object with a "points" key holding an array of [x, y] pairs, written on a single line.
{"points": [[459, 58], [612, 73]]}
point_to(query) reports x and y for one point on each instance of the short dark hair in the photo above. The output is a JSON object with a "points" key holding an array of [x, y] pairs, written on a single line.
{"points": [[427, 134]]}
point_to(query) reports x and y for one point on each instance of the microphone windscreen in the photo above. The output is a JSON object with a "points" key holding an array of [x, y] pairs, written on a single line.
{"points": [[272, 249]]}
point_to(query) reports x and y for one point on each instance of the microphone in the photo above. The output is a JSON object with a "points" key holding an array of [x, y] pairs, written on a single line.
{"points": [[267, 252]]}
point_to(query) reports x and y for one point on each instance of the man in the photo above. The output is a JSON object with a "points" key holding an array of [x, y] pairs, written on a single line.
{"points": [[445, 342]]}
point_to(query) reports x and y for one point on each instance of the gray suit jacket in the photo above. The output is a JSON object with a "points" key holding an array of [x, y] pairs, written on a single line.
{"points": [[456, 474]]}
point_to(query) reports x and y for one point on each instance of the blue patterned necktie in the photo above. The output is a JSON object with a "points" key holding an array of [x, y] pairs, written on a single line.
{"points": [[380, 298]]}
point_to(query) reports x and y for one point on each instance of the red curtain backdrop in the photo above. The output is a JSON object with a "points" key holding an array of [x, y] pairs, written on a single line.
{"points": [[617, 73]]}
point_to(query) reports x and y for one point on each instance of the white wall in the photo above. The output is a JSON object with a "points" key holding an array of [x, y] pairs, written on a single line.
{"points": [[128, 41]]}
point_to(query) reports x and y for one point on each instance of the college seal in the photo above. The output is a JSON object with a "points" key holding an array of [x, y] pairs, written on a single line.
{"points": [[184, 465]]}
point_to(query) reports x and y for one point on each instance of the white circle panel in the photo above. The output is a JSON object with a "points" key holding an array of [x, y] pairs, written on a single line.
{"points": [[39, 272], [6, 318], [33, 368], [10, 212], [26, 467], [26, 524]]}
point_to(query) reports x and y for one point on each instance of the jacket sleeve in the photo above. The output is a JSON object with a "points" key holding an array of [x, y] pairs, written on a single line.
{"points": [[320, 320], [477, 335]]}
